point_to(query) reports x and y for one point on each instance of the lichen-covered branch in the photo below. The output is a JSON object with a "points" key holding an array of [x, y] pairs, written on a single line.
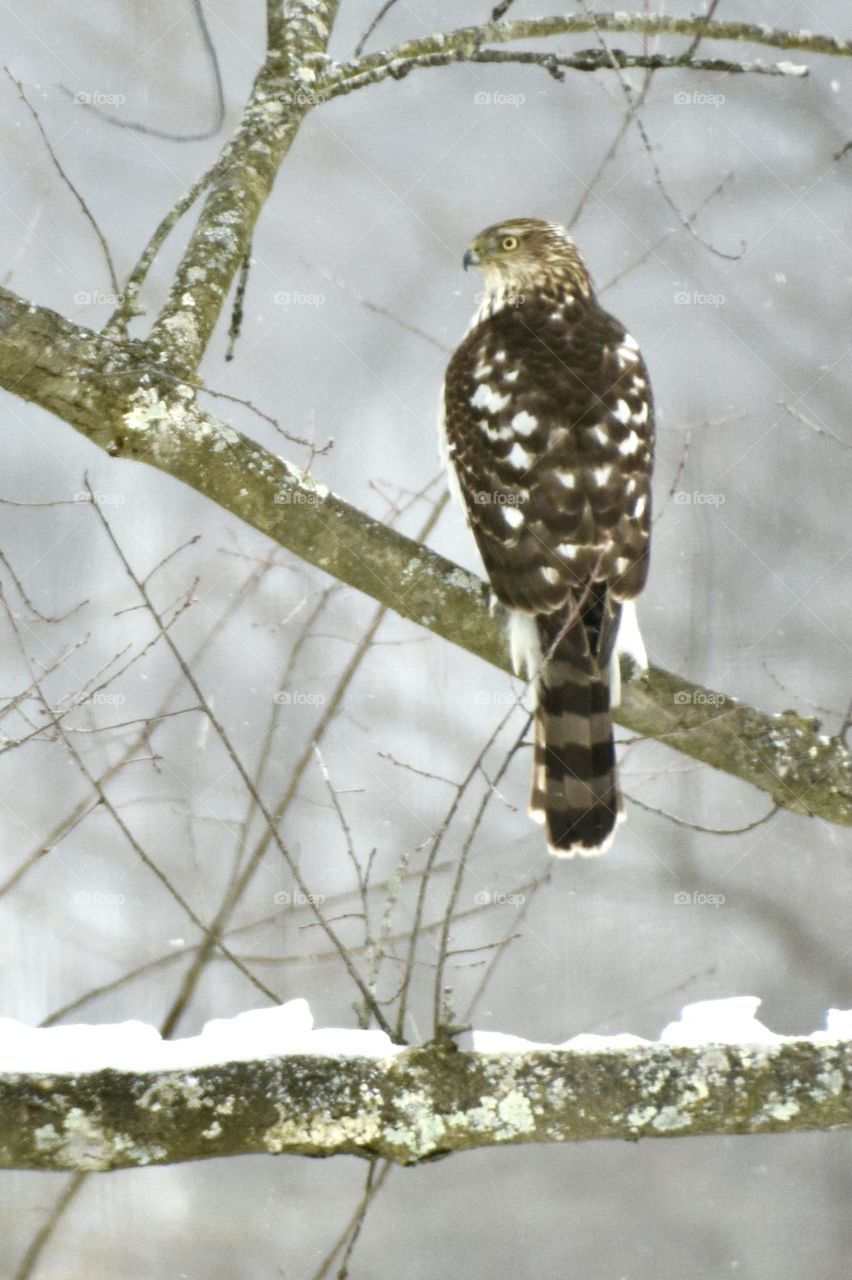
{"points": [[421, 1104], [111, 392], [245, 173], [466, 43]]}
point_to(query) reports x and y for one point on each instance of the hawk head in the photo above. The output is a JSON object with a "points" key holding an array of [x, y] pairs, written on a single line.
{"points": [[528, 254]]}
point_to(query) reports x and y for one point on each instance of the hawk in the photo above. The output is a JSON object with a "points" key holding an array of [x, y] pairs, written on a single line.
{"points": [[547, 436]]}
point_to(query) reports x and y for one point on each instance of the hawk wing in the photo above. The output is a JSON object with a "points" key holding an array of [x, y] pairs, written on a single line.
{"points": [[549, 428]]}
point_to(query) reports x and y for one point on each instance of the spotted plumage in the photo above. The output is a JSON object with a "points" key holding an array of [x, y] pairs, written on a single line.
{"points": [[548, 437]]}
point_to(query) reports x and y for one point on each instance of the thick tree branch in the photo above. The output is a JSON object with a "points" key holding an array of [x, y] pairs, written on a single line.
{"points": [[113, 394], [419, 1105]]}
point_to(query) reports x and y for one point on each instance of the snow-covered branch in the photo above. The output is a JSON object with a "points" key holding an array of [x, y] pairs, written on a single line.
{"points": [[99, 1098]]}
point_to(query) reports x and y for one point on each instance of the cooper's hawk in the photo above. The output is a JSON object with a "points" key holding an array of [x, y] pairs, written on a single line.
{"points": [[548, 436]]}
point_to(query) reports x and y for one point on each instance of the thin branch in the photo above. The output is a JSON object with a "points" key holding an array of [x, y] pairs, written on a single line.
{"points": [[137, 127], [464, 43], [87, 213], [385, 9], [240, 768]]}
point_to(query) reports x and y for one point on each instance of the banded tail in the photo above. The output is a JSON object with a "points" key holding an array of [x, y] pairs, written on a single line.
{"points": [[575, 790]]}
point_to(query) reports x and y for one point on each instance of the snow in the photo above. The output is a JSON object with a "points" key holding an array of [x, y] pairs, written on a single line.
{"points": [[137, 1046], [288, 1030], [729, 1021]]}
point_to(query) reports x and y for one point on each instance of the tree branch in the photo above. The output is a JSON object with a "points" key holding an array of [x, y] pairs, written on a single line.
{"points": [[465, 43], [420, 1104], [244, 176], [113, 394]]}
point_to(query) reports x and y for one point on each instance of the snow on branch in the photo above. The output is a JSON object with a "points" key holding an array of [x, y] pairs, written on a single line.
{"points": [[97, 1098], [112, 392]]}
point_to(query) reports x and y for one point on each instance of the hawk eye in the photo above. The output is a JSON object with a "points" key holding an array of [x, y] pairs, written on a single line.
{"points": [[508, 243]]}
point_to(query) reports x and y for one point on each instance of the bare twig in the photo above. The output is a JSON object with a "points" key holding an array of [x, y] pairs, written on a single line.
{"points": [[86, 211], [219, 95]]}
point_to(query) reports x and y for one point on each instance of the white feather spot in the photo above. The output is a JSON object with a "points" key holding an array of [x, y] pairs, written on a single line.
{"points": [[630, 342], [524, 423], [524, 643], [630, 485], [513, 517], [639, 506], [511, 377], [622, 411], [640, 417], [494, 434], [600, 475], [599, 435], [483, 370], [568, 549], [551, 575], [499, 357], [485, 397], [628, 642], [567, 479], [446, 449], [629, 444], [519, 458]]}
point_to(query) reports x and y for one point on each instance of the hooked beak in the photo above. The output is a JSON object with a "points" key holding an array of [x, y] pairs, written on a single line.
{"points": [[471, 259]]}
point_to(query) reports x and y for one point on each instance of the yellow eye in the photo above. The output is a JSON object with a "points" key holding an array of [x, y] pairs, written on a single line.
{"points": [[508, 243]]}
